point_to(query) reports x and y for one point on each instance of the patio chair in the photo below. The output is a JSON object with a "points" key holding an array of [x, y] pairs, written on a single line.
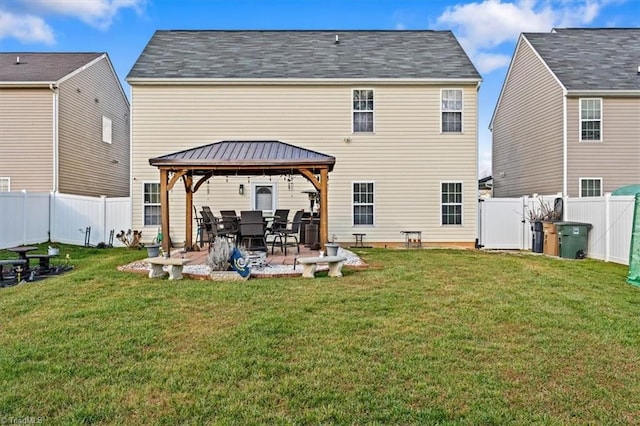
{"points": [[229, 227], [288, 236], [199, 226], [228, 213], [252, 230], [280, 218], [209, 225]]}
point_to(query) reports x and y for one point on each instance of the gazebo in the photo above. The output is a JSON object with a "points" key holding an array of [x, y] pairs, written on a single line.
{"points": [[196, 166]]}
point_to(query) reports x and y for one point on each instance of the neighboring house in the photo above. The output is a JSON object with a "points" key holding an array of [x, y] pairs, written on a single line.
{"points": [[397, 110], [64, 124], [485, 187], [568, 116]]}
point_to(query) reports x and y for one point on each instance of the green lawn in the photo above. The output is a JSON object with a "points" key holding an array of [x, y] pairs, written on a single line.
{"points": [[421, 337]]}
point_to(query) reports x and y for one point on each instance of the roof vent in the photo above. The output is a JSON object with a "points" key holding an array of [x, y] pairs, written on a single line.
{"points": [[17, 60], [337, 39], [638, 69]]}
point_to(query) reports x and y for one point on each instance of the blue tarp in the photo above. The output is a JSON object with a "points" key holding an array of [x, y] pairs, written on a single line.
{"points": [[627, 190]]}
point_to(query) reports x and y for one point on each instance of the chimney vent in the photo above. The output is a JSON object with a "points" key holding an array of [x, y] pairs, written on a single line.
{"points": [[17, 60], [337, 39]]}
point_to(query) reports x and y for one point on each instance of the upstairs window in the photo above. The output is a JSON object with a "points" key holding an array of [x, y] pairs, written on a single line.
{"points": [[363, 196], [451, 110], [591, 187], [591, 120], [151, 204], [5, 184], [362, 111], [106, 129], [451, 203]]}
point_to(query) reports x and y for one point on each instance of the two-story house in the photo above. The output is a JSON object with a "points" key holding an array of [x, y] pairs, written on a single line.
{"points": [[64, 125], [568, 117], [396, 109]]}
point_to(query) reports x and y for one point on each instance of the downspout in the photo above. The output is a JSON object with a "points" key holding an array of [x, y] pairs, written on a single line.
{"points": [[54, 89], [564, 145]]}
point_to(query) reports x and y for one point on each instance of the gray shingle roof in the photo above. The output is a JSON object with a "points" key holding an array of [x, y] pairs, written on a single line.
{"points": [[231, 155], [41, 67], [303, 54], [591, 59]]}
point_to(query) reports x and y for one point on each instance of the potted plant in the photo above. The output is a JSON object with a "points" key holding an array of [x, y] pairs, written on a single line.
{"points": [[153, 249], [332, 246]]}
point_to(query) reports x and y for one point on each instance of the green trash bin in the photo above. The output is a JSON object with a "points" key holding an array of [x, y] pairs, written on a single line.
{"points": [[572, 239]]}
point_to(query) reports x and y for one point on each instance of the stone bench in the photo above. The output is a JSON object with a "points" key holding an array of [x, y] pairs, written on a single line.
{"points": [[309, 265], [175, 266], [12, 262]]}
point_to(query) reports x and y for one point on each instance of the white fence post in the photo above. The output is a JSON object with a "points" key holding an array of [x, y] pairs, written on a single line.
{"points": [[24, 216], [607, 226]]}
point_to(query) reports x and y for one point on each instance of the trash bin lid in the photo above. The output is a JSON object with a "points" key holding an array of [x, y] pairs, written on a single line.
{"points": [[560, 224]]}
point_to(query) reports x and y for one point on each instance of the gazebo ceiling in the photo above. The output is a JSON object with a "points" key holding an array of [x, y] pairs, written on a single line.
{"points": [[246, 158]]}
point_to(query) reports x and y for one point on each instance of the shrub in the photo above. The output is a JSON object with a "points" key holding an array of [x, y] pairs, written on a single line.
{"points": [[219, 254], [131, 238]]}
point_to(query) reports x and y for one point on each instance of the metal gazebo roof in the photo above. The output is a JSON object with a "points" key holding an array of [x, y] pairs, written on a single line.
{"points": [[246, 158]]}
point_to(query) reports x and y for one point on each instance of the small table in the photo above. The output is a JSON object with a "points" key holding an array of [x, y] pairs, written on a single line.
{"points": [[359, 237], [412, 239], [22, 252]]}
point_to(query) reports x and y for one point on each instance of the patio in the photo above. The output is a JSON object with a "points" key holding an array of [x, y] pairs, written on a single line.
{"points": [[276, 265]]}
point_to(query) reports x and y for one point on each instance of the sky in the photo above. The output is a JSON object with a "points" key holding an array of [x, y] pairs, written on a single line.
{"points": [[488, 30]]}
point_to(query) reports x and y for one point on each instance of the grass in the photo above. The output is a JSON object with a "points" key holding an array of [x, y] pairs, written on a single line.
{"points": [[421, 337]]}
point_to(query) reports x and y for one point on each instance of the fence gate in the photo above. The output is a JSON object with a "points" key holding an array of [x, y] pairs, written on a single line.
{"points": [[502, 223]]}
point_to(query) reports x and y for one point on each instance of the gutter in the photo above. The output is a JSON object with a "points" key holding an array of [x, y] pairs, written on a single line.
{"points": [[306, 81]]}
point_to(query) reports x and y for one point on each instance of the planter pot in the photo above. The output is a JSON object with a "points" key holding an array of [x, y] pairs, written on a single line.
{"points": [[227, 276], [153, 250], [332, 249]]}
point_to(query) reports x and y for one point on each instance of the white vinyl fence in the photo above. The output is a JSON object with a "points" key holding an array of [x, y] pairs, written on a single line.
{"points": [[503, 223], [31, 218]]}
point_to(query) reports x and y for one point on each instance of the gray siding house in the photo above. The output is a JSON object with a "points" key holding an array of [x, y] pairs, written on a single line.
{"points": [[64, 124], [396, 109], [568, 117]]}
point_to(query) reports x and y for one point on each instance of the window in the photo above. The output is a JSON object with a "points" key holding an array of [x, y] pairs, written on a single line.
{"points": [[451, 207], [264, 197], [5, 184], [363, 111], [591, 187], [151, 204], [363, 203], [590, 119], [106, 129], [452, 111]]}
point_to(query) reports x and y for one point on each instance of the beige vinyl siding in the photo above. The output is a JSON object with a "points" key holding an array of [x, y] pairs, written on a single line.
{"points": [[407, 157], [87, 165], [617, 158], [528, 130], [26, 138]]}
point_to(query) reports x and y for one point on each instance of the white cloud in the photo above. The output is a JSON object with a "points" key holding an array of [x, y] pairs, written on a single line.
{"points": [[97, 13], [482, 26], [26, 28], [25, 20], [484, 163], [487, 62]]}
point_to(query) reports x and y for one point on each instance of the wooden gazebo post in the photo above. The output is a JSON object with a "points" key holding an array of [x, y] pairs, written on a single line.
{"points": [[164, 209], [324, 208]]}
